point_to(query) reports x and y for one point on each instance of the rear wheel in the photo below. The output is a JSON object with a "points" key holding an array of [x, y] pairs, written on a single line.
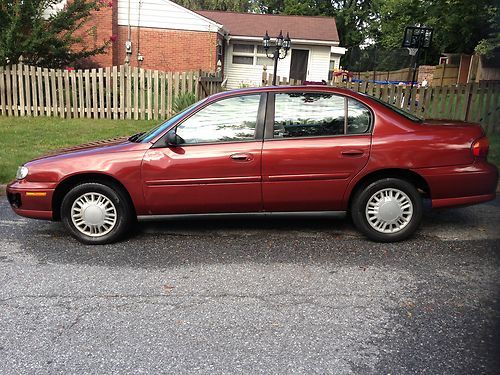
{"points": [[387, 210], [95, 213]]}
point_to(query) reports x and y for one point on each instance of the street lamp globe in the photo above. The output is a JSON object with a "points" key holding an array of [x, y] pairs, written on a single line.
{"points": [[265, 41], [287, 42], [279, 39]]}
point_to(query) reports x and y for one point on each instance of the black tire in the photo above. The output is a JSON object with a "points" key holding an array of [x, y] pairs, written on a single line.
{"points": [[410, 223], [121, 211]]}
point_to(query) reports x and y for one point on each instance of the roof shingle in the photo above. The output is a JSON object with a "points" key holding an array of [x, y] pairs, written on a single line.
{"points": [[299, 27]]}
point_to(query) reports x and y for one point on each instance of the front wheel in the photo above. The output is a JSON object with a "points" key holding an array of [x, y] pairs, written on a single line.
{"points": [[95, 213], [387, 210]]}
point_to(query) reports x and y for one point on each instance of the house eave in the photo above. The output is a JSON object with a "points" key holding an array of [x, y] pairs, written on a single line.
{"points": [[330, 43], [219, 28]]}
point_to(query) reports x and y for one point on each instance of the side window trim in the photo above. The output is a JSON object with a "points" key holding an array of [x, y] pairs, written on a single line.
{"points": [[261, 116], [269, 121], [259, 126], [346, 114]]}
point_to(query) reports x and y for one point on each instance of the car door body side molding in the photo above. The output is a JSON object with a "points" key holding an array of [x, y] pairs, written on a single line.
{"points": [[204, 181], [308, 176]]}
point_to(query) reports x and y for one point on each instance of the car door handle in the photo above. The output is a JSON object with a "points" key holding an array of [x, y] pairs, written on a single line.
{"points": [[352, 153], [242, 157]]}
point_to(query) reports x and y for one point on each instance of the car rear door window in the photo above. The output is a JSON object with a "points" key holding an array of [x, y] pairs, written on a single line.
{"points": [[318, 115], [308, 115], [227, 120], [358, 117]]}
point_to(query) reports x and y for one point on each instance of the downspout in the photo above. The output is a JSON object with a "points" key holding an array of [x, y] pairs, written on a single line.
{"points": [[128, 43]]}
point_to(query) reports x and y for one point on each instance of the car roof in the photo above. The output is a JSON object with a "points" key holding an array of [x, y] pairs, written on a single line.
{"points": [[249, 90]]}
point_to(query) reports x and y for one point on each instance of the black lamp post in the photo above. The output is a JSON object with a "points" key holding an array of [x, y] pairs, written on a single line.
{"points": [[282, 46]]}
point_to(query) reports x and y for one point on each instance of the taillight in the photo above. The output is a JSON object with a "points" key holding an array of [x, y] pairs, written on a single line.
{"points": [[480, 147]]}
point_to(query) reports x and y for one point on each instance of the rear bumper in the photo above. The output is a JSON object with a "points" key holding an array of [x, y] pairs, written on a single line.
{"points": [[461, 185], [462, 201], [31, 199]]}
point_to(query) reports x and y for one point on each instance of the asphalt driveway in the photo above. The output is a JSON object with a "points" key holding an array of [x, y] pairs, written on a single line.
{"points": [[303, 294]]}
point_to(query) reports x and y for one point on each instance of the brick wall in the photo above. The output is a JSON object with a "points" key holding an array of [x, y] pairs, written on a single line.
{"points": [[168, 50], [98, 30]]}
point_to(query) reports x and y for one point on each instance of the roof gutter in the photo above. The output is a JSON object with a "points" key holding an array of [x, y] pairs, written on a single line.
{"points": [[297, 41]]}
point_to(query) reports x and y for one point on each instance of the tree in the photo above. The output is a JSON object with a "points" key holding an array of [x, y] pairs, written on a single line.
{"points": [[352, 16], [372, 30], [459, 25], [225, 5], [27, 30]]}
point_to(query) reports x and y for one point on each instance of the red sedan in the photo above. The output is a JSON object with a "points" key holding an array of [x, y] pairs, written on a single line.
{"points": [[271, 149]]}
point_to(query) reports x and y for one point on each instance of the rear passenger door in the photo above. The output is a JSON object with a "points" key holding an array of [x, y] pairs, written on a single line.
{"points": [[315, 143]]}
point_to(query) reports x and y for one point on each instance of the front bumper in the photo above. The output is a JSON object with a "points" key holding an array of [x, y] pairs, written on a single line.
{"points": [[31, 199]]}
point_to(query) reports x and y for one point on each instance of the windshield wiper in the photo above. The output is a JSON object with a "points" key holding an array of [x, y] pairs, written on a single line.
{"points": [[135, 137]]}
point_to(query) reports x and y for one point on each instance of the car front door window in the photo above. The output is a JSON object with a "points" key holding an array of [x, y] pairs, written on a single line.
{"points": [[228, 120]]}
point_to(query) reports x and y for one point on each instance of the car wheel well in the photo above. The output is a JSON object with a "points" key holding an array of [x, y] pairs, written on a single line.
{"points": [[403, 174], [66, 185]]}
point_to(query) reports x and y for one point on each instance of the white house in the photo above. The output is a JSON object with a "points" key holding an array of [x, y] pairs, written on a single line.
{"points": [[160, 34], [314, 53]]}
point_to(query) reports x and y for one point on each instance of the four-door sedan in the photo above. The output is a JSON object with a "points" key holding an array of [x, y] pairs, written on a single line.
{"points": [[270, 149]]}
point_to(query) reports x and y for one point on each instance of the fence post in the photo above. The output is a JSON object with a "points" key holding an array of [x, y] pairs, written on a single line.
{"points": [[27, 89], [67, 89], [2, 91], [15, 94], [100, 76], [136, 93], [122, 101], [72, 76], [170, 91], [20, 83], [162, 96], [93, 76], [128, 92]]}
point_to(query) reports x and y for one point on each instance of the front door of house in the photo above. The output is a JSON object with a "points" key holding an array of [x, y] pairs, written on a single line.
{"points": [[298, 64]]}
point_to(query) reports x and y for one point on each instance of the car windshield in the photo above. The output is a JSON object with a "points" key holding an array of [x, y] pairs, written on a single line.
{"points": [[157, 130], [398, 110]]}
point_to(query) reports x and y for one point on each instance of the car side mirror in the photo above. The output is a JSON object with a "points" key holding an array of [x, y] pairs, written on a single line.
{"points": [[172, 139]]}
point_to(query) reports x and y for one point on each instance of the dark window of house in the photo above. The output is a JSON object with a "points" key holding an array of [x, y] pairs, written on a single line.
{"points": [[243, 48], [247, 60]]}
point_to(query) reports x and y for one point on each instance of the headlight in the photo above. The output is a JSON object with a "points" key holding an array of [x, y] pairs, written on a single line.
{"points": [[22, 172]]}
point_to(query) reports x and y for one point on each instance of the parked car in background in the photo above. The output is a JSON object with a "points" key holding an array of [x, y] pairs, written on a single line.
{"points": [[270, 149]]}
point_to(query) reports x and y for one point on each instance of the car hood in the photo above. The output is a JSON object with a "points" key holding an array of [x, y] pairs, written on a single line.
{"points": [[97, 146]]}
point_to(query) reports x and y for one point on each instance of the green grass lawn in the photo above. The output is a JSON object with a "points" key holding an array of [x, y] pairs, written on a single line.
{"points": [[24, 138]]}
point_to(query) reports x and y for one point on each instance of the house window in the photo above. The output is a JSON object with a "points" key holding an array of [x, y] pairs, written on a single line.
{"points": [[250, 54], [247, 60], [243, 48]]}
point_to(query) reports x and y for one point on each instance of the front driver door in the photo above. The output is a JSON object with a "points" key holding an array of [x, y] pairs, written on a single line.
{"points": [[215, 167]]}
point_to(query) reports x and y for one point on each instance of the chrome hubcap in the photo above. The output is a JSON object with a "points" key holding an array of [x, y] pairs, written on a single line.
{"points": [[93, 214], [389, 210]]}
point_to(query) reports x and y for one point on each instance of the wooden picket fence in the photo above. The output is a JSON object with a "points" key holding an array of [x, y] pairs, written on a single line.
{"points": [[118, 92], [473, 102]]}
